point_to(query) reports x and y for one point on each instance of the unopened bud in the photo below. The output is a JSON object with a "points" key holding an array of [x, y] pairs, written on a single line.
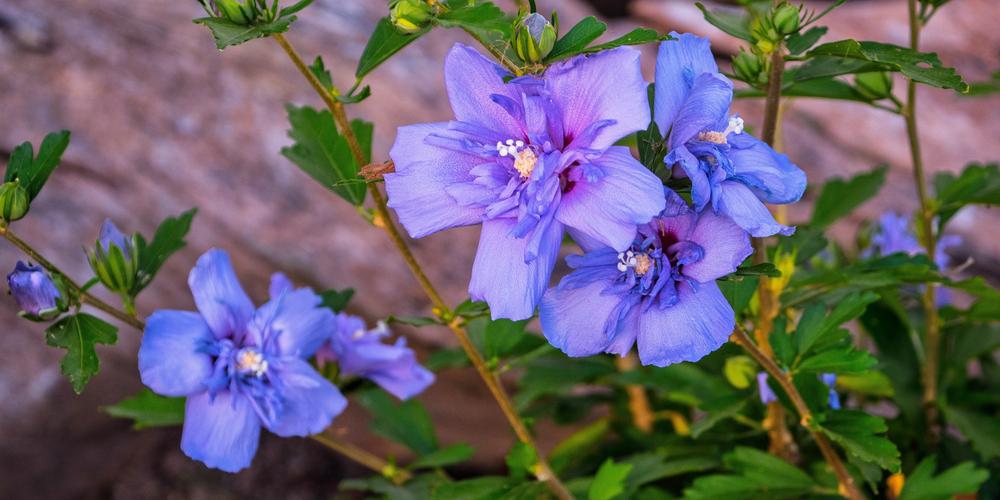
{"points": [[747, 66], [786, 19], [14, 201], [115, 259], [234, 11], [410, 16], [875, 85], [534, 38]]}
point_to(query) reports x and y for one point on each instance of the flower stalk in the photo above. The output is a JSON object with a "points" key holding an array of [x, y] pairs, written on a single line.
{"points": [[932, 339], [848, 487], [440, 307], [363, 457]]}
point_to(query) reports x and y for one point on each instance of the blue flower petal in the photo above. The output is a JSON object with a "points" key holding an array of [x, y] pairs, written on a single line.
{"points": [[726, 246], [577, 320], [699, 323], [603, 86], [500, 275], [705, 106], [471, 79], [739, 203], [171, 360], [418, 190], [678, 63], [296, 322], [393, 367], [222, 432], [309, 401], [771, 176], [219, 296], [701, 188], [609, 208]]}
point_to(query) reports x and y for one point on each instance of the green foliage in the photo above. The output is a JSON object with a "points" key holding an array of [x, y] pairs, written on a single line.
{"points": [[168, 240], [982, 430], [383, 43], [857, 57], [609, 482], [923, 484], [336, 300], [578, 39], [732, 22], [443, 457], [227, 33], [976, 185], [324, 154], [798, 43], [840, 197], [32, 171], [754, 473], [78, 335], [148, 409], [521, 460], [821, 346], [859, 434], [406, 423]]}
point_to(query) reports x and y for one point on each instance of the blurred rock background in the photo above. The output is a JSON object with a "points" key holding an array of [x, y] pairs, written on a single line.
{"points": [[163, 122]]}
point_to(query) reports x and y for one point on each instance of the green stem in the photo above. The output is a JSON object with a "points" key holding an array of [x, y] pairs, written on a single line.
{"points": [[85, 296], [441, 309], [363, 457], [932, 339], [848, 487]]}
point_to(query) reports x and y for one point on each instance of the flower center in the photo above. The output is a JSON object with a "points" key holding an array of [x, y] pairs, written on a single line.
{"points": [[639, 262], [524, 159], [250, 361], [735, 126]]}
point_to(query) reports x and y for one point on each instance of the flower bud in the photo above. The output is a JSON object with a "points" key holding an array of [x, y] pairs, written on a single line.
{"points": [[534, 38], [13, 201], [875, 85], [410, 16], [786, 19], [114, 259], [35, 292], [234, 11], [747, 66]]}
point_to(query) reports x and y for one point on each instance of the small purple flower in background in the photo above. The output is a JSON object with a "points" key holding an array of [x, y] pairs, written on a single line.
{"points": [[360, 352], [895, 235], [35, 292], [527, 159], [727, 167], [767, 395], [659, 294], [830, 379], [240, 369], [112, 236]]}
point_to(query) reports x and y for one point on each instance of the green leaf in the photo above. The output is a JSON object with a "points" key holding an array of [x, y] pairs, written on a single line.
{"points": [[323, 153], [318, 69], [977, 184], [814, 325], [406, 423], [78, 334], [227, 33], [857, 432], [168, 240], [650, 467], [486, 23], [472, 309], [609, 481], [987, 87], [730, 21], [822, 88], [577, 38], [757, 474], [872, 383], [840, 197], [845, 360], [443, 457], [800, 42], [336, 300], [301, 4], [521, 460], [922, 67], [764, 269], [981, 429], [922, 484], [417, 321], [637, 36], [385, 41], [739, 292], [148, 409], [480, 488], [503, 338], [31, 171], [578, 444]]}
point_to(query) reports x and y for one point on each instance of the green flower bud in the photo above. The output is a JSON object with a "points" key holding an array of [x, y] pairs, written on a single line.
{"points": [[234, 11], [747, 66], [13, 201], [410, 16], [534, 38], [786, 19], [875, 85], [740, 371], [115, 259]]}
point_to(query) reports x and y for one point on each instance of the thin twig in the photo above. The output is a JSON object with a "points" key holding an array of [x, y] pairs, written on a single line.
{"points": [[847, 484], [363, 457], [441, 309]]}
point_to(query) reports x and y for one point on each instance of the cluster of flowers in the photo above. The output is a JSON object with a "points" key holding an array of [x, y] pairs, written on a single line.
{"points": [[242, 368], [534, 157]]}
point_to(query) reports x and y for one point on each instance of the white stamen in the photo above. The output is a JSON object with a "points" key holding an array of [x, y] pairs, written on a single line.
{"points": [[639, 262], [735, 126], [251, 361]]}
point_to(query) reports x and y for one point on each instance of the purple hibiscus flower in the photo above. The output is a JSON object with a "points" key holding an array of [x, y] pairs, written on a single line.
{"points": [[734, 171], [660, 293], [528, 158], [240, 369], [360, 352], [33, 289], [895, 235]]}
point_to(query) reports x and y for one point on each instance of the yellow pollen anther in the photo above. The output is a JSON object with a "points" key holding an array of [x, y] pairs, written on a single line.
{"points": [[251, 361], [712, 136], [642, 264], [524, 162]]}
